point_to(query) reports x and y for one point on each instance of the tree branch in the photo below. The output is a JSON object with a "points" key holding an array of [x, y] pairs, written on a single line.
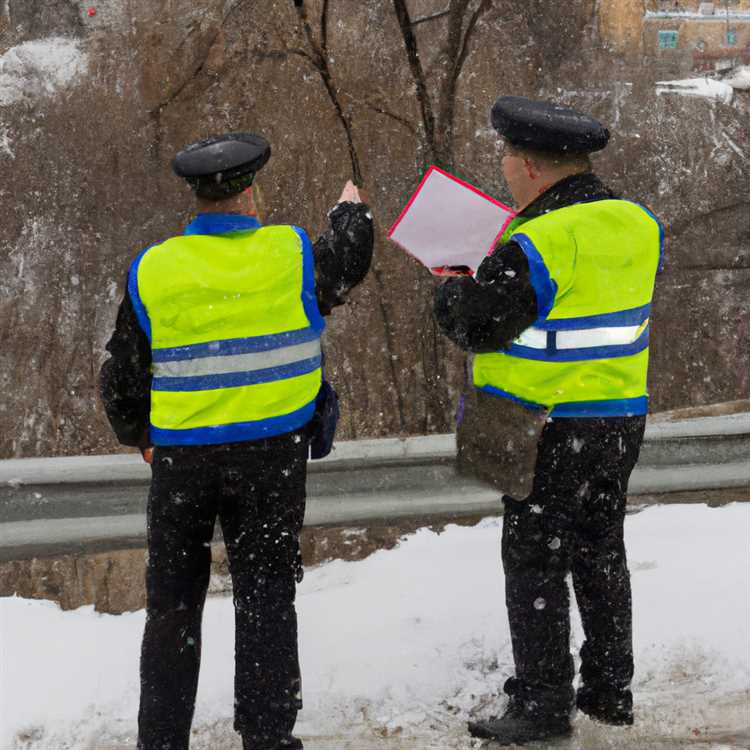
{"points": [[432, 17], [303, 17], [456, 52], [382, 110], [447, 92], [324, 28], [482, 8], [301, 53], [320, 61], [390, 342], [412, 54], [387, 113]]}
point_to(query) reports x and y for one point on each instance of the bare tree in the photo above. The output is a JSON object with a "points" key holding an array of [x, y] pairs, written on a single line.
{"points": [[438, 120], [317, 54], [437, 134]]}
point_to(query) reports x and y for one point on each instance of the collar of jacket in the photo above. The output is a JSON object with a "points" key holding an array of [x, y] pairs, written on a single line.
{"points": [[222, 223], [578, 188]]}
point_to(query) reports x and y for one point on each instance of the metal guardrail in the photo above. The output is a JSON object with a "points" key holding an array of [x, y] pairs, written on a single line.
{"points": [[89, 503]]}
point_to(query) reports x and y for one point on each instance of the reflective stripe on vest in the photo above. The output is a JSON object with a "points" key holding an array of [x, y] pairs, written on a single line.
{"points": [[581, 344], [228, 370], [235, 333], [592, 267]]}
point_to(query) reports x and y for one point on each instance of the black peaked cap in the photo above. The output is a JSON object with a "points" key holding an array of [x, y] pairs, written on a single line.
{"points": [[545, 126], [223, 157]]}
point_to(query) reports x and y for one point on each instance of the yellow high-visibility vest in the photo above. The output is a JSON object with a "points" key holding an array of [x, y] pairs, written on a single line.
{"points": [[593, 267], [235, 329]]}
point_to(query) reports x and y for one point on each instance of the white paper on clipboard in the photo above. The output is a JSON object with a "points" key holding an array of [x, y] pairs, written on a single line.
{"points": [[448, 222]]}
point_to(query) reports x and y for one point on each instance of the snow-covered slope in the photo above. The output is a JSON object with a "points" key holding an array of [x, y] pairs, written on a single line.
{"points": [[407, 642]]}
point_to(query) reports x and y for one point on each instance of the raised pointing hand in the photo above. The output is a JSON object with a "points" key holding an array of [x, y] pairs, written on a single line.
{"points": [[350, 194]]}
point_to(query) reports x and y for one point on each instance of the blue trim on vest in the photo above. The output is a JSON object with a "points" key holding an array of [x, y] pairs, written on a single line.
{"points": [[309, 298], [504, 394], [633, 317], [222, 224], [545, 287], [625, 407], [238, 379], [581, 354], [236, 432], [662, 235], [140, 309], [229, 347]]}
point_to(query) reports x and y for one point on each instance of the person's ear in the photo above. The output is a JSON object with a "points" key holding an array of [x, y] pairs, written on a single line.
{"points": [[249, 199], [531, 168]]}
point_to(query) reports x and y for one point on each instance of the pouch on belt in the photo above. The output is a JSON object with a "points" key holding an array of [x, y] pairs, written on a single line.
{"points": [[325, 421], [498, 440]]}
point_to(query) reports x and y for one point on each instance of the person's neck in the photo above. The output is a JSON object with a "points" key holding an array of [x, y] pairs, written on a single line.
{"points": [[241, 205], [534, 189], [223, 208]]}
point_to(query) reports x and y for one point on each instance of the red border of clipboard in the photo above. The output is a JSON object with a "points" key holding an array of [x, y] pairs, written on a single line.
{"points": [[432, 169]]}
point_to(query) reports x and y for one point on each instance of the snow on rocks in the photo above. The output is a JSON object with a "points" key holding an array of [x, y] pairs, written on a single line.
{"points": [[734, 15], [722, 90], [706, 88], [6, 144], [739, 78], [40, 68]]}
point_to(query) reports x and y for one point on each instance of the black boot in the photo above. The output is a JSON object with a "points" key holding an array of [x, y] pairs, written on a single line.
{"points": [[527, 719], [286, 743], [608, 706], [518, 729]]}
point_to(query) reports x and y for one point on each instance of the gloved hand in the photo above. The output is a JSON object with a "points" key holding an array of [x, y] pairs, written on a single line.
{"points": [[453, 310]]}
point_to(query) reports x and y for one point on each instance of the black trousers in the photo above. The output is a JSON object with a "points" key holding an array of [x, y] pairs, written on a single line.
{"points": [[572, 523], [257, 490]]}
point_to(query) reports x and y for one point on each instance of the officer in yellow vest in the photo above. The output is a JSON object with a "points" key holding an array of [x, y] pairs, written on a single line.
{"points": [[216, 367], [558, 320]]}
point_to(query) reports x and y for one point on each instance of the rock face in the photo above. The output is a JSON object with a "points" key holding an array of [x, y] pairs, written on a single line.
{"points": [[93, 107], [113, 582]]}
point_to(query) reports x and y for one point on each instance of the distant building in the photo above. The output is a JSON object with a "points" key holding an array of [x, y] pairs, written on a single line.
{"points": [[698, 36]]}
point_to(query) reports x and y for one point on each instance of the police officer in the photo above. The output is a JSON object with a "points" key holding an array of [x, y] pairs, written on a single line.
{"points": [[216, 364], [558, 320]]}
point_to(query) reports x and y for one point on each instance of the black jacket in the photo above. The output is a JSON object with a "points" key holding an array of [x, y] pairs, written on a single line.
{"points": [[342, 259], [485, 314]]}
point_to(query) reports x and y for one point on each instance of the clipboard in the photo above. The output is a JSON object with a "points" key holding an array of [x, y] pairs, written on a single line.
{"points": [[448, 222]]}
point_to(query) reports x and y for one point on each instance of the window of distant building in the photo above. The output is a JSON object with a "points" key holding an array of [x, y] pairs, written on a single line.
{"points": [[731, 38], [668, 39]]}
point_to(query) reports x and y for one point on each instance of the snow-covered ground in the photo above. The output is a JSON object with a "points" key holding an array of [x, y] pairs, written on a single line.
{"points": [[399, 648]]}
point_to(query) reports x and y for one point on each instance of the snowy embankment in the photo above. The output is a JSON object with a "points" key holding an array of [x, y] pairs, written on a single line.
{"points": [[40, 68], [703, 88], [406, 643], [721, 90]]}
